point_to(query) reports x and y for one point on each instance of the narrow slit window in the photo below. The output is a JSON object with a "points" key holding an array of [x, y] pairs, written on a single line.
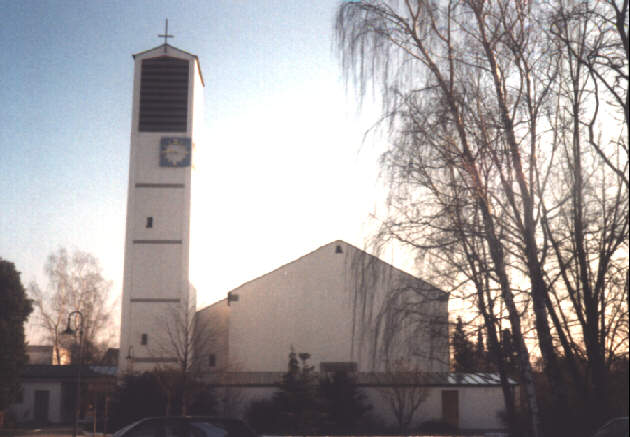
{"points": [[144, 339], [212, 360], [149, 222]]}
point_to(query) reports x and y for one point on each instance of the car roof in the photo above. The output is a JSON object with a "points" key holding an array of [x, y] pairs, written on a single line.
{"points": [[212, 419]]}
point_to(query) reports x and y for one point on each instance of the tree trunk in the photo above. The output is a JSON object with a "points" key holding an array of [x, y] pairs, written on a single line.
{"points": [[499, 358], [538, 286]]}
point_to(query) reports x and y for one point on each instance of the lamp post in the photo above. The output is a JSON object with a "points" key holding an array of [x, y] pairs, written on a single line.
{"points": [[130, 360], [77, 400]]}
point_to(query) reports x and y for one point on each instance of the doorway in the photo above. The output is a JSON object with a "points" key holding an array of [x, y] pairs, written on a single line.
{"points": [[42, 399], [450, 407]]}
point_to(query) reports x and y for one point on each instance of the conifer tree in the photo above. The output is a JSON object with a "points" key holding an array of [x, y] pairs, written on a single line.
{"points": [[298, 402], [14, 310], [345, 404], [463, 350]]}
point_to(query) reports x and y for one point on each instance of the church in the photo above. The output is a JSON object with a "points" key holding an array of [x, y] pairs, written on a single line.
{"points": [[351, 313], [348, 310], [344, 307]]}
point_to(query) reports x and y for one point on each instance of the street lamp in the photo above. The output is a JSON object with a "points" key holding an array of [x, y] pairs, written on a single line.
{"points": [[130, 359], [77, 400]]}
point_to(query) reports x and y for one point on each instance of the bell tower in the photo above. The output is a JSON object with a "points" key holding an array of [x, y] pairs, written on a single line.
{"points": [[167, 98]]}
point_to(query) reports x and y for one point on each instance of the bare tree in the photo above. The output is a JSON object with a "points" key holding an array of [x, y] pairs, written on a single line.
{"points": [[595, 37], [404, 389], [210, 359], [186, 338], [176, 341], [431, 59], [75, 282], [499, 169], [396, 315], [226, 391], [586, 221]]}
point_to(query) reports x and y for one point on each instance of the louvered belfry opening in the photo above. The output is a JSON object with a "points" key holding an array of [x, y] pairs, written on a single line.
{"points": [[164, 95]]}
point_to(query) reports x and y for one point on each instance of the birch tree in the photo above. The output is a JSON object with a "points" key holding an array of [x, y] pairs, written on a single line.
{"points": [[496, 168], [404, 389], [184, 337], [75, 282]]}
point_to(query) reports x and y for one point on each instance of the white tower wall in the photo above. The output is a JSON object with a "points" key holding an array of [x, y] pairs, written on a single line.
{"points": [[156, 277]]}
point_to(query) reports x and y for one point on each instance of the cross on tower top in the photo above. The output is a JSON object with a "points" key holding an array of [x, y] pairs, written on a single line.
{"points": [[165, 35]]}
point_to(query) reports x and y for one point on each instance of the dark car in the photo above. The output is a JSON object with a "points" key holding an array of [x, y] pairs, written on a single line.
{"points": [[615, 428], [186, 427]]}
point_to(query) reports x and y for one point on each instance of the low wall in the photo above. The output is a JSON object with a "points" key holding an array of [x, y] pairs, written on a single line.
{"points": [[478, 406], [24, 411]]}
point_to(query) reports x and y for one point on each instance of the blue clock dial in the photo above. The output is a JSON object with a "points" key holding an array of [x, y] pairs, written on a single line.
{"points": [[175, 152]]}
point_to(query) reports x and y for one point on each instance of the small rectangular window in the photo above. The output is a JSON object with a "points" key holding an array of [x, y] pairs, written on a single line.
{"points": [[144, 339], [212, 360], [149, 222]]}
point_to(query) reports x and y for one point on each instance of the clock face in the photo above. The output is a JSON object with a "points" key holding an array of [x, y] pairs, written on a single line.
{"points": [[174, 152]]}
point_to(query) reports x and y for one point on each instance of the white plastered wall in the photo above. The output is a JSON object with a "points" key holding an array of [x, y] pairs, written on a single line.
{"points": [[155, 270], [479, 406], [25, 410], [316, 305]]}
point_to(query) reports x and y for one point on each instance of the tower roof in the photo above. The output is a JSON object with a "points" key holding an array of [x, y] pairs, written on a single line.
{"points": [[162, 50]]}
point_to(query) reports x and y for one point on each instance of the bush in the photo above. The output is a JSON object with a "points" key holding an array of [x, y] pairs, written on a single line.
{"points": [[296, 407], [203, 402], [264, 417], [138, 396], [345, 405], [437, 427], [305, 405]]}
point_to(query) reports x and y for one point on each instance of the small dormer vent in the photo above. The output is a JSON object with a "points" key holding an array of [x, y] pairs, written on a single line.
{"points": [[338, 249]]}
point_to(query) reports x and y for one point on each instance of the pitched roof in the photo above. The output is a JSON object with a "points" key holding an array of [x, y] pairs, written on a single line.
{"points": [[176, 49], [367, 379], [430, 379], [361, 252], [49, 371], [38, 348]]}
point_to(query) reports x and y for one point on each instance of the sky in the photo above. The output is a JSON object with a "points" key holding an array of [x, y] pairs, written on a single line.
{"points": [[285, 168]]}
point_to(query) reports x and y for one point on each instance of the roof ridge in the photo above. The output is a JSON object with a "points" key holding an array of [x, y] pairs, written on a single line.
{"points": [[284, 265], [315, 250], [274, 270], [394, 267]]}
